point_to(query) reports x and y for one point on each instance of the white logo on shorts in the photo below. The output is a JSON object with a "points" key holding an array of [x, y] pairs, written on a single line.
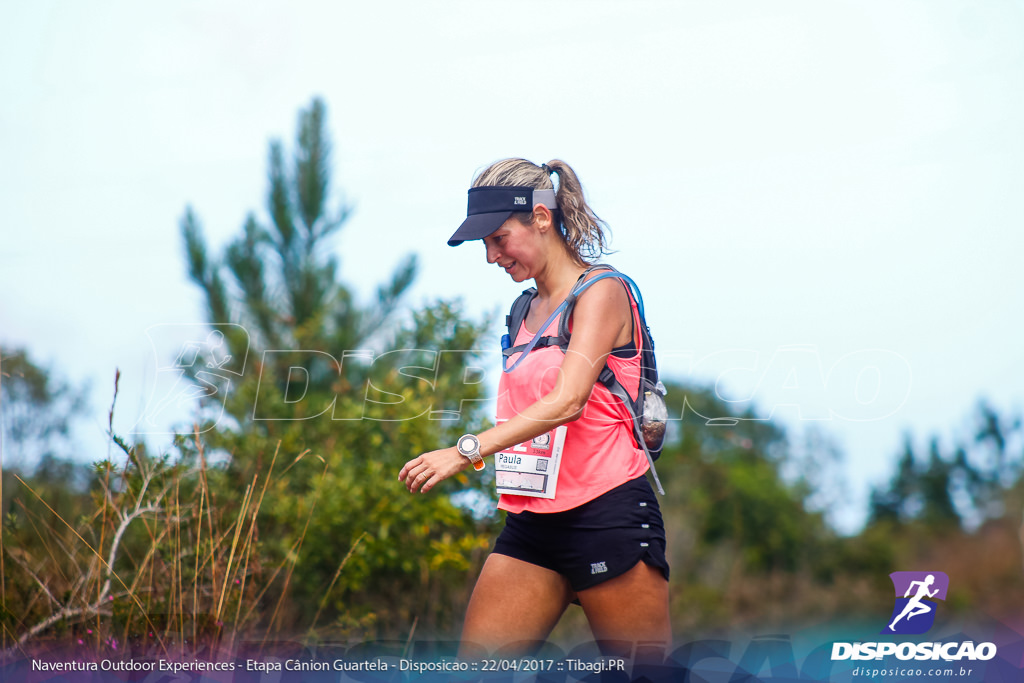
{"points": [[598, 567]]}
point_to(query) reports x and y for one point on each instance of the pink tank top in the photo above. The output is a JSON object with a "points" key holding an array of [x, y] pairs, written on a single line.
{"points": [[599, 452]]}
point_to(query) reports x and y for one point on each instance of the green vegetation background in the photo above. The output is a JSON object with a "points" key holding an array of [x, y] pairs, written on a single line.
{"points": [[274, 520]]}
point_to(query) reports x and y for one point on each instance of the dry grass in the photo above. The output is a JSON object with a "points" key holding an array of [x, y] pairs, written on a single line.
{"points": [[156, 566]]}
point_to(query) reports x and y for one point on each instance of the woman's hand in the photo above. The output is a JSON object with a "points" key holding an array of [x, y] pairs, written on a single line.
{"points": [[425, 471]]}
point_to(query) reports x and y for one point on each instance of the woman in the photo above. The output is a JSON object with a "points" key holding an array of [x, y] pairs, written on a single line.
{"points": [[598, 537]]}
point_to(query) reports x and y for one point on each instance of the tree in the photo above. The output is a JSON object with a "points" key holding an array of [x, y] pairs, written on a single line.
{"points": [[37, 410], [338, 396], [39, 478], [895, 504], [745, 536], [731, 469], [981, 472]]}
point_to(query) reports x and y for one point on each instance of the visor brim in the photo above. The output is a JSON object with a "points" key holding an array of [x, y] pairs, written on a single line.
{"points": [[478, 226]]}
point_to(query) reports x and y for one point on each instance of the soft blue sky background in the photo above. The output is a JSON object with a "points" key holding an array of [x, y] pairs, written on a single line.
{"points": [[841, 177]]}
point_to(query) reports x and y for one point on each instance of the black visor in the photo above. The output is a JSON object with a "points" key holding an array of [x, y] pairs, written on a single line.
{"points": [[490, 206]]}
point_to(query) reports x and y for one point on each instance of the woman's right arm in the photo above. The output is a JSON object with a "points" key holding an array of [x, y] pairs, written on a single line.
{"points": [[599, 319]]}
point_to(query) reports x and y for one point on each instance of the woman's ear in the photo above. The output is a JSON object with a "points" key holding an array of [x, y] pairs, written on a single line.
{"points": [[542, 218]]}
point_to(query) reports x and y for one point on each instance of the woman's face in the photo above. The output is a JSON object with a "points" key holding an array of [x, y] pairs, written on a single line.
{"points": [[516, 248]]}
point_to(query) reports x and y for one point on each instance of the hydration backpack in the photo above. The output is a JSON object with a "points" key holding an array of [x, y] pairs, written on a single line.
{"points": [[648, 411]]}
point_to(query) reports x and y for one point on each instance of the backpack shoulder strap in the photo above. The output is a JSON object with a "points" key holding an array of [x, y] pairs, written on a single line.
{"points": [[578, 288], [513, 321], [521, 308], [517, 314]]}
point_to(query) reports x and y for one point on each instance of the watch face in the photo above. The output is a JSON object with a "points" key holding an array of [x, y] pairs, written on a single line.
{"points": [[468, 444]]}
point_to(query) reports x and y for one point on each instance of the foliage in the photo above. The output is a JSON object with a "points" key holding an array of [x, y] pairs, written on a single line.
{"points": [[148, 564], [960, 487], [112, 554], [960, 508], [162, 555], [737, 526], [357, 389], [37, 409], [731, 472], [279, 513]]}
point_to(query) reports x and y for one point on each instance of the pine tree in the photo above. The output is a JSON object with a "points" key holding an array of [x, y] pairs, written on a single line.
{"points": [[344, 394]]}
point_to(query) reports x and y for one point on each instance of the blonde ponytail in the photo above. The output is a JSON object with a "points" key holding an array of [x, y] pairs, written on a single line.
{"points": [[584, 231]]}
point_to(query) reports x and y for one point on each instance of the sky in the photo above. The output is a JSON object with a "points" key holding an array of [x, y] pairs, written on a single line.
{"points": [[821, 201]]}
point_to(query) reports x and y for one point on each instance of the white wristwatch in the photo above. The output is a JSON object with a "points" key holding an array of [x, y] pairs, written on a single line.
{"points": [[469, 446]]}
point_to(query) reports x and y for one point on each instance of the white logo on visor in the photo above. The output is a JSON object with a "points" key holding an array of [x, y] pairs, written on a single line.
{"points": [[519, 200]]}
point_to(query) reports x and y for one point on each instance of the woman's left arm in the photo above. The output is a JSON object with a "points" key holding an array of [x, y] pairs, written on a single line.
{"points": [[599, 318]]}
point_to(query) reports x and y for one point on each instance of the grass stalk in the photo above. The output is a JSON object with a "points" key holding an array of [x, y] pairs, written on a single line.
{"points": [[334, 579], [247, 548], [96, 555], [293, 561], [234, 545], [195, 576]]}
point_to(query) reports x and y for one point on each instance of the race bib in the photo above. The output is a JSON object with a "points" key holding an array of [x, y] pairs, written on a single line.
{"points": [[531, 468]]}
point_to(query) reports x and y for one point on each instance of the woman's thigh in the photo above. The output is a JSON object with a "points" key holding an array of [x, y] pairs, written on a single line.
{"points": [[630, 611], [514, 606]]}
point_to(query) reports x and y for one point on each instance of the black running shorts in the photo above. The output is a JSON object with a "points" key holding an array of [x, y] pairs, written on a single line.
{"points": [[597, 541]]}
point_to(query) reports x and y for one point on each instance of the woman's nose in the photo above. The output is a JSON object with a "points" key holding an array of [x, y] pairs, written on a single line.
{"points": [[492, 253]]}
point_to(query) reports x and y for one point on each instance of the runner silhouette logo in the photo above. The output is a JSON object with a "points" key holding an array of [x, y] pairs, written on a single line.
{"points": [[914, 612]]}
